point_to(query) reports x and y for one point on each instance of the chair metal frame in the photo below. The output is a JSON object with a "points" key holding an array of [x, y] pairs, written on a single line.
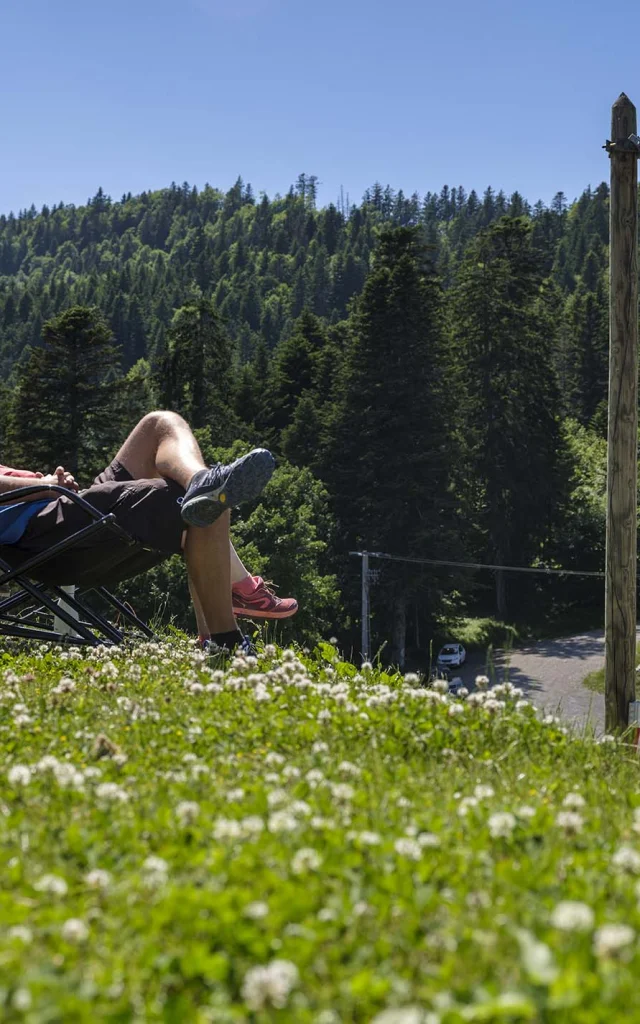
{"points": [[25, 613]]}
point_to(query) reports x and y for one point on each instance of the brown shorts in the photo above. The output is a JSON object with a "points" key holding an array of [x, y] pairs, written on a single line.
{"points": [[148, 510]]}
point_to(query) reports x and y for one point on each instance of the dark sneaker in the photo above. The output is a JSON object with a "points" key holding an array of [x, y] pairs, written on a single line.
{"points": [[262, 603], [212, 491], [222, 654]]}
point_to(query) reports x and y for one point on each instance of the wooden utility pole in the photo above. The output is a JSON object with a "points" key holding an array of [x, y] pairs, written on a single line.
{"points": [[622, 452]]}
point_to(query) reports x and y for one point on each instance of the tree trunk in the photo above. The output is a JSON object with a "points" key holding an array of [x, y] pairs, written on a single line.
{"points": [[399, 630]]}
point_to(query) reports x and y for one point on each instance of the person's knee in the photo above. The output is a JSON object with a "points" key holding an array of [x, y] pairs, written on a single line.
{"points": [[162, 422]]}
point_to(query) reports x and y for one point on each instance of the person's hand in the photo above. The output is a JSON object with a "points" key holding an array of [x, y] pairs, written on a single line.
{"points": [[61, 478]]}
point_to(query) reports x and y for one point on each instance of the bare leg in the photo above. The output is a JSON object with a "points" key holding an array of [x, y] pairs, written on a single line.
{"points": [[206, 551], [201, 622], [161, 444]]}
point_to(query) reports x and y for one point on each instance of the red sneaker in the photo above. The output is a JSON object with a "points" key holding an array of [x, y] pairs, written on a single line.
{"points": [[262, 602]]}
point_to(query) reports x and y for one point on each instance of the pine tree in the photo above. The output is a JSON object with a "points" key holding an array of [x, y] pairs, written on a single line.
{"points": [[66, 396]]}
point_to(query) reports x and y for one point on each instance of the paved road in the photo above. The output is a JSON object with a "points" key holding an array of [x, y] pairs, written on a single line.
{"points": [[550, 673]]}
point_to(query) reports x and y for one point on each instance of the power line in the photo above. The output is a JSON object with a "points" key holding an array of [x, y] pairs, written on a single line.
{"points": [[477, 565]]}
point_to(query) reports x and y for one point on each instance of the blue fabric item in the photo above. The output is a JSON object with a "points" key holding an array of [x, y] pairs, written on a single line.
{"points": [[14, 519]]}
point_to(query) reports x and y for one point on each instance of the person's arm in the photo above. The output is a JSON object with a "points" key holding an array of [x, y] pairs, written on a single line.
{"points": [[14, 483]]}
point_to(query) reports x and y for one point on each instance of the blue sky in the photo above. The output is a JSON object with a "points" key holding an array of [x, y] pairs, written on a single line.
{"points": [[133, 94]]}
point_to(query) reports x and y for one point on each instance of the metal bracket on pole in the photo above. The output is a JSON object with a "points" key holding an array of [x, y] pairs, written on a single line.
{"points": [[628, 145]]}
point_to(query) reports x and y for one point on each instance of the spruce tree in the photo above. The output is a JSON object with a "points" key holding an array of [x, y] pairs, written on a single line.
{"points": [[388, 455], [196, 375], [65, 397], [504, 340]]}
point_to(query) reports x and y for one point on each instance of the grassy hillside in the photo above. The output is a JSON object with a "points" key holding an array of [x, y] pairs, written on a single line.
{"points": [[295, 840]]}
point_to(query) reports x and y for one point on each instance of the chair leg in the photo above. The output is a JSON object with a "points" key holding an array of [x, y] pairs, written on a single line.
{"points": [[126, 612]]}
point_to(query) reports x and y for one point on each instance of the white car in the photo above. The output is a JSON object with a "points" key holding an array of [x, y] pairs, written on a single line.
{"points": [[452, 656]]}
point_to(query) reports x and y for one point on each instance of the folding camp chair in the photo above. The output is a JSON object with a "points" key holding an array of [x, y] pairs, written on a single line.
{"points": [[38, 608]]}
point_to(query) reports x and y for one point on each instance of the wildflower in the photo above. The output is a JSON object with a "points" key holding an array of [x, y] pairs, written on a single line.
{"points": [[627, 859], [574, 801], [408, 848], [570, 821], [21, 999], [21, 933], [276, 797], [52, 884], [320, 747], [282, 821], [525, 812], [502, 824], [611, 938], [484, 792], [466, 803], [456, 709], [98, 879], [155, 870], [342, 791], [187, 811], [401, 1015], [427, 840], [270, 985], [482, 682], [440, 686], [411, 679], [536, 958], [348, 768], [257, 910], [19, 775], [324, 716], [306, 859], [75, 930], [572, 916], [227, 828], [111, 792]]}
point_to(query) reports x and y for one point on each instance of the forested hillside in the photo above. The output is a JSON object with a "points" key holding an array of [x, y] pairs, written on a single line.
{"points": [[430, 371]]}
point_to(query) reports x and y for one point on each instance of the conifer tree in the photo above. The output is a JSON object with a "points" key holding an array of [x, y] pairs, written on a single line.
{"points": [[66, 396], [196, 375], [388, 454], [504, 339]]}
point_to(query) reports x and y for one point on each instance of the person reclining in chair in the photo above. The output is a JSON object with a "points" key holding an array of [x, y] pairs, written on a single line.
{"points": [[163, 494]]}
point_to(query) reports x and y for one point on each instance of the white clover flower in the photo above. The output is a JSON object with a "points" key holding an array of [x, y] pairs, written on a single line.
{"points": [[502, 824], [427, 840], [324, 715], [67, 776], [19, 775], [75, 930], [52, 884], [456, 709], [47, 763], [306, 859], [256, 911], [537, 958], [611, 938], [252, 825], [342, 791], [21, 933], [462, 692], [21, 999], [155, 869], [282, 821], [401, 1015], [187, 811], [572, 916], [627, 859], [407, 847], [482, 682], [98, 878], [291, 772], [227, 828], [525, 811], [111, 792], [314, 777], [440, 686], [235, 795], [466, 804], [66, 685], [574, 801], [570, 821], [273, 759], [348, 768], [277, 797], [320, 747], [483, 792], [270, 985], [365, 838]]}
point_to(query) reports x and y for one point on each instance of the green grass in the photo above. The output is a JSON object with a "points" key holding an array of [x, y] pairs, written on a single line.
{"points": [[296, 841], [595, 680]]}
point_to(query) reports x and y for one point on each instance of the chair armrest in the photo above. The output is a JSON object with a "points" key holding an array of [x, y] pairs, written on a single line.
{"points": [[24, 492]]}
